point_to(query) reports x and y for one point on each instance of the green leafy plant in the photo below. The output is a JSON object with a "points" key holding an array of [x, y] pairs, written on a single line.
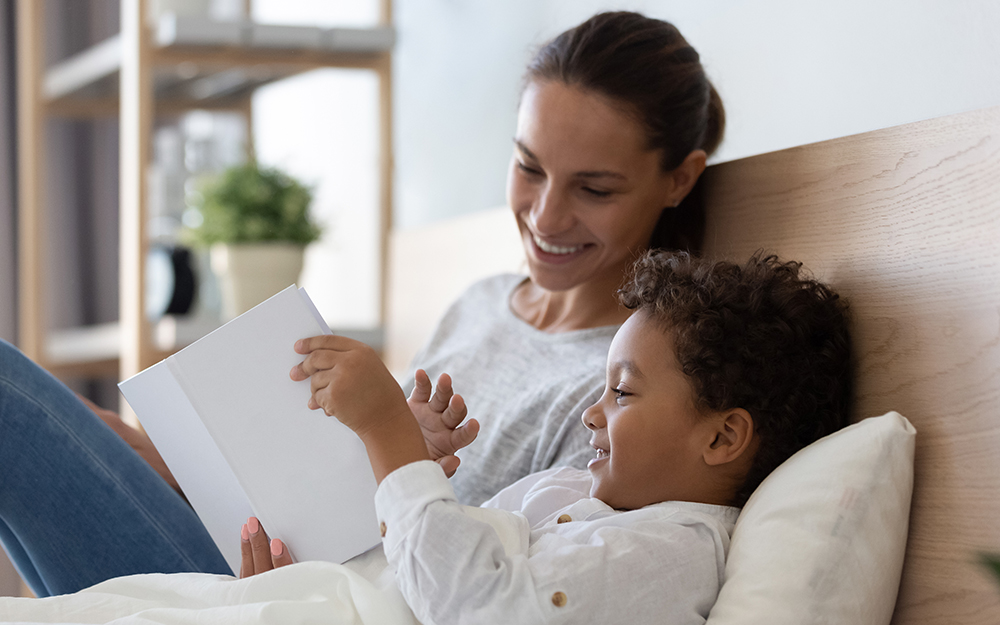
{"points": [[250, 204]]}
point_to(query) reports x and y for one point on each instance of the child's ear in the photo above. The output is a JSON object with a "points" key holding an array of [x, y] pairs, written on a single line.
{"points": [[734, 435]]}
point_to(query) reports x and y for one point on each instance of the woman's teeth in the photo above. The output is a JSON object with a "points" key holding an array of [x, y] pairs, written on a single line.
{"points": [[555, 249]]}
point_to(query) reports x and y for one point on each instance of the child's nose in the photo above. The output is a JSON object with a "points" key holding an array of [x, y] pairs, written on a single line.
{"points": [[593, 418]]}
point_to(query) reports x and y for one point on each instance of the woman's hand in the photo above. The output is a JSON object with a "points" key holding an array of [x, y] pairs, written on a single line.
{"points": [[440, 417], [137, 440], [259, 553]]}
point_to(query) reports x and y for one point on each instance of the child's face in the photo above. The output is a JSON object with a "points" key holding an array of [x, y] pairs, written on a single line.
{"points": [[649, 436]]}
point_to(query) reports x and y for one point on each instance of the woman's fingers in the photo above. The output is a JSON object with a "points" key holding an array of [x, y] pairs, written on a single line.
{"points": [[257, 553], [279, 553], [259, 546], [421, 387], [442, 394], [246, 555]]}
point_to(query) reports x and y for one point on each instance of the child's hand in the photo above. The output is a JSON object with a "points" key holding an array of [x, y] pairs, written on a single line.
{"points": [[349, 381], [440, 417]]}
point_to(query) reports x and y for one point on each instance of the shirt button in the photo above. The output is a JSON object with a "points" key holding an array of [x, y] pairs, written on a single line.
{"points": [[559, 599], [564, 518], [381, 528]]}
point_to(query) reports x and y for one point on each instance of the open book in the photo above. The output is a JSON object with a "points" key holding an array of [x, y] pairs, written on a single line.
{"points": [[235, 431]]}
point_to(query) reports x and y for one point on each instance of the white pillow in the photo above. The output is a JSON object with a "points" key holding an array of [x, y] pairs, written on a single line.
{"points": [[822, 539]]}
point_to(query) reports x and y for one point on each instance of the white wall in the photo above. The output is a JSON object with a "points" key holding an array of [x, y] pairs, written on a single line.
{"points": [[322, 127], [790, 73]]}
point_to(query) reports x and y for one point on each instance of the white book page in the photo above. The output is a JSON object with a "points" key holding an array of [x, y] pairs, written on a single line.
{"points": [[306, 475], [193, 457]]}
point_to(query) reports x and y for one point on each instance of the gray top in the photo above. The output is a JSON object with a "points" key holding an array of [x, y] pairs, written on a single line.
{"points": [[526, 387]]}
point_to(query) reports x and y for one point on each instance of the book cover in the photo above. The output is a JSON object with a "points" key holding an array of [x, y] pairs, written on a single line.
{"points": [[235, 431]]}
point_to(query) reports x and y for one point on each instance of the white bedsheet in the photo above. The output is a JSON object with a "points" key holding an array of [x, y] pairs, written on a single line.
{"points": [[309, 592]]}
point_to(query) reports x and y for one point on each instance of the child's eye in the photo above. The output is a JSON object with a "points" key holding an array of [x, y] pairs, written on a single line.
{"points": [[620, 393]]}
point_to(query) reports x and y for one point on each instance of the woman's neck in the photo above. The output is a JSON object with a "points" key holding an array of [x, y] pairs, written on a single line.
{"points": [[590, 305]]}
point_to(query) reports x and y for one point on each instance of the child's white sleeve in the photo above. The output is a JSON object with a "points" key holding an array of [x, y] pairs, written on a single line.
{"points": [[452, 565]]}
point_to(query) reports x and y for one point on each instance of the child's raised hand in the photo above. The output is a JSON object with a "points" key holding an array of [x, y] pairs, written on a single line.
{"points": [[440, 416]]}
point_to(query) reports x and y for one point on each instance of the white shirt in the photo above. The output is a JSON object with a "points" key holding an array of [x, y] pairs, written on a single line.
{"points": [[543, 551]]}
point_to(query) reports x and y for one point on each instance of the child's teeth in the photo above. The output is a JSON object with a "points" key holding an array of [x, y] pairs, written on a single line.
{"points": [[555, 249]]}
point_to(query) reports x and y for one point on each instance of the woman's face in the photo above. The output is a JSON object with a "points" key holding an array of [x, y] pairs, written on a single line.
{"points": [[583, 186]]}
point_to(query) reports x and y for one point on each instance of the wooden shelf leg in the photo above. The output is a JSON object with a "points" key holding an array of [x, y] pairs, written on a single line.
{"points": [[136, 119]]}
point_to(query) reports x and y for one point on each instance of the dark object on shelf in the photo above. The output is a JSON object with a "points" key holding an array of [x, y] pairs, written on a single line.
{"points": [[171, 281]]}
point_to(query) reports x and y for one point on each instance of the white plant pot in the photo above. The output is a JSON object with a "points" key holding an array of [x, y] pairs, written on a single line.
{"points": [[250, 273]]}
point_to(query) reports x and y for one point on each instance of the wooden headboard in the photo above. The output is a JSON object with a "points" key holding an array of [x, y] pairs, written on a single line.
{"points": [[906, 223]]}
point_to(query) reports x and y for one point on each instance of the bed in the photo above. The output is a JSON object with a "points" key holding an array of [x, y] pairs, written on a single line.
{"points": [[905, 221]]}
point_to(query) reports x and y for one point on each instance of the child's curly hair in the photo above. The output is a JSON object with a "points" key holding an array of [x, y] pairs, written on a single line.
{"points": [[759, 336]]}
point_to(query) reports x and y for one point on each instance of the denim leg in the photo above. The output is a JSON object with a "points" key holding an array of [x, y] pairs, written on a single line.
{"points": [[78, 504]]}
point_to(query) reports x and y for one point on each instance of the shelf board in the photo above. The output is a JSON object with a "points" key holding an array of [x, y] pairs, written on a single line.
{"points": [[94, 349], [206, 63]]}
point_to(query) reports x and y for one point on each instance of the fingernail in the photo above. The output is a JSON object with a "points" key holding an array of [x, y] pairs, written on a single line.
{"points": [[276, 547], [245, 533], [253, 525]]}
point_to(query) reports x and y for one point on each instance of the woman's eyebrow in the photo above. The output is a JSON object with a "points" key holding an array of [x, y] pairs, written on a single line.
{"points": [[600, 173], [524, 149]]}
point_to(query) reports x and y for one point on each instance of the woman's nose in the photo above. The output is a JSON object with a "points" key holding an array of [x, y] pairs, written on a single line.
{"points": [[593, 418], [551, 213]]}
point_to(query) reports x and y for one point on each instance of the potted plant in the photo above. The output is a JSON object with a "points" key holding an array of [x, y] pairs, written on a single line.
{"points": [[256, 223]]}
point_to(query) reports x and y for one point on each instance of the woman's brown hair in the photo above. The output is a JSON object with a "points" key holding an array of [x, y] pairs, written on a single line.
{"points": [[647, 65]]}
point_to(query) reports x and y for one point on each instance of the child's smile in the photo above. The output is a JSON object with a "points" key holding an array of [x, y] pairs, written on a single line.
{"points": [[649, 435]]}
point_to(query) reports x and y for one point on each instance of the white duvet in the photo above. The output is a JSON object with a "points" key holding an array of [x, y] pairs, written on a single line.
{"points": [[310, 592]]}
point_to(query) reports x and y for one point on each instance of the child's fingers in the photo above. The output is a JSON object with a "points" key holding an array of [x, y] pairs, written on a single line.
{"points": [[463, 436], [449, 464], [246, 555], [421, 387], [279, 553], [325, 341], [456, 412], [442, 394], [259, 546]]}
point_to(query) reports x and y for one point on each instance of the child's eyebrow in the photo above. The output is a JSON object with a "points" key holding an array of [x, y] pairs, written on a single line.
{"points": [[627, 366]]}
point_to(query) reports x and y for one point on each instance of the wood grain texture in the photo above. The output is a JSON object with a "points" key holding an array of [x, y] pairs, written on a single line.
{"points": [[905, 222]]}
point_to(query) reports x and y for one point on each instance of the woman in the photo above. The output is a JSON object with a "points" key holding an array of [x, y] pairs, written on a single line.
{"points": [[614, 126]]}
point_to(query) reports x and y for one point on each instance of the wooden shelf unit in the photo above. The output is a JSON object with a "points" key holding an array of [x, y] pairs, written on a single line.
{"points": [[149, 69]]}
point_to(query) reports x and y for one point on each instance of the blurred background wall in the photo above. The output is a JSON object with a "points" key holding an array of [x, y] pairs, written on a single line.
{"points": [[789, 72]]}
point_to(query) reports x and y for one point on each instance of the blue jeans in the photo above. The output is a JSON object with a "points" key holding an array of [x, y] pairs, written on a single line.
{"points": [[77, 504]]}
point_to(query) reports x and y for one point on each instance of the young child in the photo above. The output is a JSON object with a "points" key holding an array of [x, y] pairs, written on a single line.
{"points": [[722, 373]]}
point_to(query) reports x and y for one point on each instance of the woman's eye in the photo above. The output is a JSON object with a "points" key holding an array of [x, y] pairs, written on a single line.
{"points": [[528, 170], [596, 193]]}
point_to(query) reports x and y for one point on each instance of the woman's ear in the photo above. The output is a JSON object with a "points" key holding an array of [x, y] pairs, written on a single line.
{"points": [[685, 175], [734, 436]]}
